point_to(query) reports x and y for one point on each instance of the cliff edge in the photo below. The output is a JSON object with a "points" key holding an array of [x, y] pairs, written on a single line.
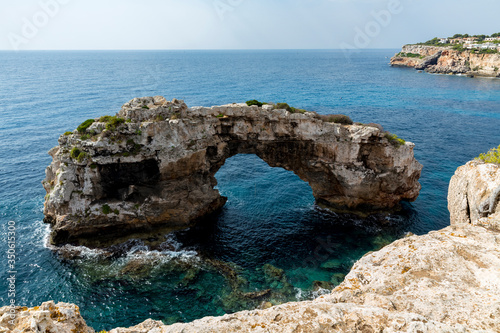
{"points": [[446, 60], [153, 165]]}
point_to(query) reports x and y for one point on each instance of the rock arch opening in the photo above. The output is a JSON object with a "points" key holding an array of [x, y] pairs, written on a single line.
{"points": [[256, 190]]}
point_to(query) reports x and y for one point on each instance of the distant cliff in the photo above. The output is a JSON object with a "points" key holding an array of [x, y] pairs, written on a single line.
{"points": [[445, 60]]}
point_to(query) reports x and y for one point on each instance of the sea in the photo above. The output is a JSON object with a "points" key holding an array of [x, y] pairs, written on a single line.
{"points": [[270, 244]]}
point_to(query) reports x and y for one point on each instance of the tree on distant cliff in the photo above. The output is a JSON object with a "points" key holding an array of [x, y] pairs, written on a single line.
{"points": [[434, 41], [496, 34]]}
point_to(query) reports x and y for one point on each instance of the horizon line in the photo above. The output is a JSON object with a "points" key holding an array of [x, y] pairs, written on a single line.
{"points": [[284, 49]]}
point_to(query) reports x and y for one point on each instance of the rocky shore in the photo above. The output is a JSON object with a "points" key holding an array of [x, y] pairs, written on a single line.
{"points": [[152, 166], [445, 281], [446, 60]]}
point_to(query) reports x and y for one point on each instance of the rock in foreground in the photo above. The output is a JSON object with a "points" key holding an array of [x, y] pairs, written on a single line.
{"points": [[153, 165], [47, 318]]}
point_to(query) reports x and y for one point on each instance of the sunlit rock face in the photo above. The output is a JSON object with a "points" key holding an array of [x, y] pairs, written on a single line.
{"points": [[154, 165], [474, 195]]}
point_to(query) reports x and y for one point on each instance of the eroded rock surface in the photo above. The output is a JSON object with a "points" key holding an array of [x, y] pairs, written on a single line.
{"points": [[474, 195], [47, 318], [154, 165]]}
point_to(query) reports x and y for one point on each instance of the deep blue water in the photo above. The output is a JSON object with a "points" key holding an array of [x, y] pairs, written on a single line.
{"points": [[270, 217]]}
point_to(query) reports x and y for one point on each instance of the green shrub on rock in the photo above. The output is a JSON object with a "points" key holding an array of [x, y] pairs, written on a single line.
{"points": [[106, 209], [254, 102], [78, 155], [112, 122], [74, 153], [492, 156], [394, 140], [289, 108], [83, 126], [81, 156], [409, 55], [282, 106], [337, 118]]}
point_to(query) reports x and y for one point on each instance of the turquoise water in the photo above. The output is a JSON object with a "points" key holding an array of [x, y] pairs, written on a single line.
{"points": [[270, 217]]}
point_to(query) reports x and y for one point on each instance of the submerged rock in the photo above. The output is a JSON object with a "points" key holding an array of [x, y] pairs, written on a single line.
{"points": [[317, 285], [331, 265], [337, 278], [153, 166]]}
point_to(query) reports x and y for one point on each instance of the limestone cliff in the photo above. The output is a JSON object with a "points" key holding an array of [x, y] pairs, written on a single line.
{"points": [[47, 318], [445, 60], [154, 164]]}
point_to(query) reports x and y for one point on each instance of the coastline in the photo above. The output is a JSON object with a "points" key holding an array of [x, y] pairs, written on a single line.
{"points": [[446, 60]]}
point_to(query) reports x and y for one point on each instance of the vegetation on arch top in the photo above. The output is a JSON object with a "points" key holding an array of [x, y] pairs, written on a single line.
{"points": [[330, 118], [333, 118]]}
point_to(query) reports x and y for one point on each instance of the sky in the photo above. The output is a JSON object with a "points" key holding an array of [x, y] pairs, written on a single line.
{"points": [[237, 24]]}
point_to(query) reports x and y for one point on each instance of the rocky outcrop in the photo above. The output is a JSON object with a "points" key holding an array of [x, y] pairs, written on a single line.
{"points": [[474, 195], [401, 60], [445, 60], [47, 318], [153, 165], [429, 61]]}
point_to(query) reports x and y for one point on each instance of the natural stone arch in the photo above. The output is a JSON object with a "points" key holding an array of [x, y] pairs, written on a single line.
{"points": [[157, 168]]}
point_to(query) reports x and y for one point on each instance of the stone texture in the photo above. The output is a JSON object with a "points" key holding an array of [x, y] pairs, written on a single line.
{"points": [[423, 50], [158, 168], [47, 318], [445, 60], [474, 195], [429, 60]]}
